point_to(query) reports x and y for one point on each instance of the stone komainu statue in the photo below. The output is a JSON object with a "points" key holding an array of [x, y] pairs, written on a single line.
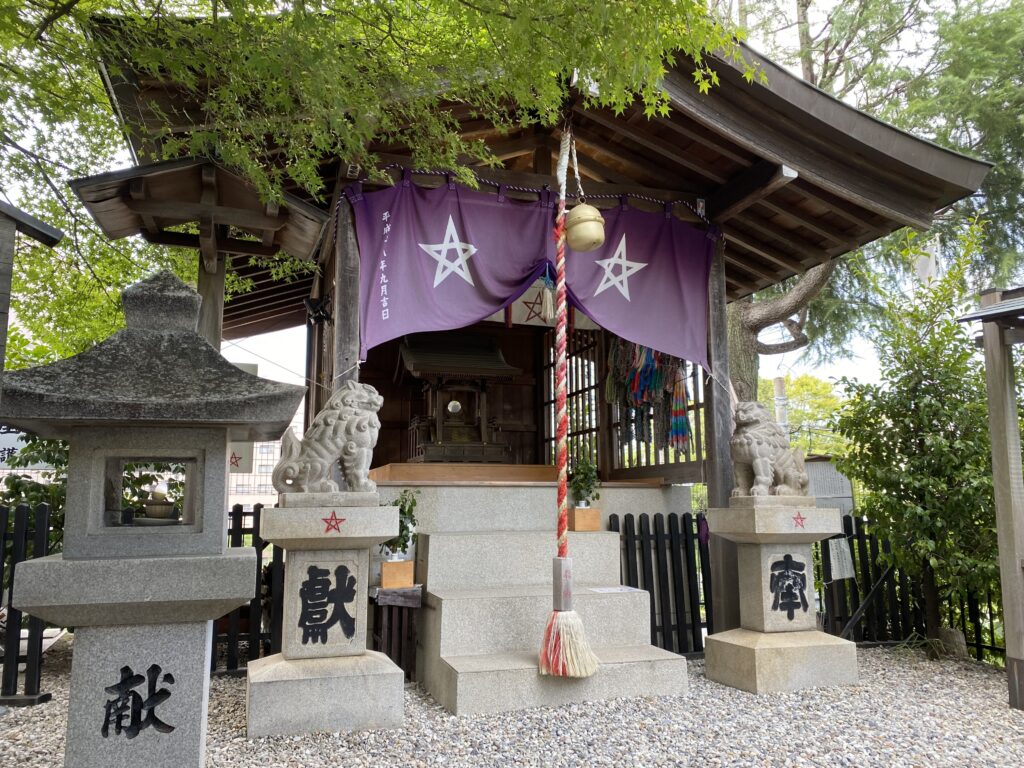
{"points": [[763, 462], [345, 430]]}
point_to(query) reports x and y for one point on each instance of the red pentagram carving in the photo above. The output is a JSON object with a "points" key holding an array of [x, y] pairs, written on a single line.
{"points": [[333, 522]]}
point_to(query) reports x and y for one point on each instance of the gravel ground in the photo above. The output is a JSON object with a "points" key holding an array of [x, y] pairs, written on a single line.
{"points": [[907, 711]]}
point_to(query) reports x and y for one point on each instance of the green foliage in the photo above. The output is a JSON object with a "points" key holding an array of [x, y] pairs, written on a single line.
{"points": [[406, 503], [277, 90], [584, 482], [811, 403], [52, 489], [950, 72], [919, 443], [971, 99]]}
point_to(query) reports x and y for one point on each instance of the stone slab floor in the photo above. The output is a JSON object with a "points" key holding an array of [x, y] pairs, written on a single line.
{"points": [[906, 711]]}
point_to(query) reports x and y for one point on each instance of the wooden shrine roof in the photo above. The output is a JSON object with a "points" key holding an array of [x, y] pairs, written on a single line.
{"points": [[455, 355], [225, 215], [793, 176]]}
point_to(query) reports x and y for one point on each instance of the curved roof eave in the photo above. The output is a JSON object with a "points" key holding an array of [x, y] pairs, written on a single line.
{"points": [[793, 93]]}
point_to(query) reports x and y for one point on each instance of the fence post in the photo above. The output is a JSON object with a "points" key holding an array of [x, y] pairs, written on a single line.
{"points": [[34, 660], [256, 604], [9, 695], [9, 682]]}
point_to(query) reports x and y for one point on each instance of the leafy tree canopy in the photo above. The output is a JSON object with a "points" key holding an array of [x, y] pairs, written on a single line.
{"points": [[947, 71], [970, 97], [277, 88], [810, 404]]}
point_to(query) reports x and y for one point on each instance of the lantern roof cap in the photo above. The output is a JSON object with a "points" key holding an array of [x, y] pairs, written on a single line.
{"points": [[157, 371]]}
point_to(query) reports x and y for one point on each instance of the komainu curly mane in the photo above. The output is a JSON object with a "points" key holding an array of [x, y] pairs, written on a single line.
{"points": [[345, 430], [763, 462]]}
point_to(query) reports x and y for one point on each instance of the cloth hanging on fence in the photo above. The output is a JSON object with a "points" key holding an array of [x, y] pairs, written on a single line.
{"points": [[650, 389]]}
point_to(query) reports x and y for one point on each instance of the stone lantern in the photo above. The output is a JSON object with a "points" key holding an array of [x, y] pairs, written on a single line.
{"points": [[142, 593]]}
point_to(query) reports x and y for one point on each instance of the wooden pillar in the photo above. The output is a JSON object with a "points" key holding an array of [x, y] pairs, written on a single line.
{"points": [[346, 297], [211, 311], [7, 236], [13, 220], [1009, 494], [718, 425]]}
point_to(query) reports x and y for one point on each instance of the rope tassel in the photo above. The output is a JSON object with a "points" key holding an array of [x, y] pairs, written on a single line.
{"points": [[564, 651]]}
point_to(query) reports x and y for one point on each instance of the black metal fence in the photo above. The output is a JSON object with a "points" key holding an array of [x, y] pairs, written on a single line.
{"points": [[664, 555], [253, 630], [883, 604], [26, 539]]}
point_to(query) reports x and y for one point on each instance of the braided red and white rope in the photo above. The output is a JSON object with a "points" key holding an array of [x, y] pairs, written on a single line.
{"points": [[561, 367]]}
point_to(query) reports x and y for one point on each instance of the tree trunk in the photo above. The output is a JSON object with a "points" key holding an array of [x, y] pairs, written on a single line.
{"points": [[804, 31], [743, 356], [932, 619]]}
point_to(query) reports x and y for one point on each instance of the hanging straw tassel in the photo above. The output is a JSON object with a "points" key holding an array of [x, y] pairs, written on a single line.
{"points": [[564, 651]]}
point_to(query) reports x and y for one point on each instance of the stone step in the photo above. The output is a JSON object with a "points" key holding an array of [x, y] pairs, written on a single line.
{"points": [[482, 684], [496, 619], [499, 558], [523, 506], [481, 507]]}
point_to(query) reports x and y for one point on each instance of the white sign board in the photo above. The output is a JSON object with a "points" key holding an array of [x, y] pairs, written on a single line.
{"points": [[842, 559]]}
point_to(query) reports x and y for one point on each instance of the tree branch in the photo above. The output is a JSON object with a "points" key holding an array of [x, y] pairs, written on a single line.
{"points": [[53, 17], [784, 346], [761, 314]]}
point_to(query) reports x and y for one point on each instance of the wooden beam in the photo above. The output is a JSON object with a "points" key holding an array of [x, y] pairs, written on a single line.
{"points": [[346, 297], [292, 293], [227, 245], [718, 430], [254, 325], [817, 226], [598, 146], [181, 211], [542, 154], [777, 257], [137, 190], [749, 269], [851, 180], [211, 311], [808, 253], [207, 228], [836, 204], [272, 210], [30, 226], [711, 142], [595, 168], [537, 181], [746, 188], [1008, 486], [666, 149], [524, 145], [8, 228]]}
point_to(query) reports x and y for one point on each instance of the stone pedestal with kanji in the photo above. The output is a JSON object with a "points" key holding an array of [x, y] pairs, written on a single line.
{"points": [[141, 589], [777, 647], [325, 679]]}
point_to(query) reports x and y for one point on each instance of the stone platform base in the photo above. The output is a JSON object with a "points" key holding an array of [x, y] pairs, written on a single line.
{"points": [[779, 661], [503, 682], [344, 693]]}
